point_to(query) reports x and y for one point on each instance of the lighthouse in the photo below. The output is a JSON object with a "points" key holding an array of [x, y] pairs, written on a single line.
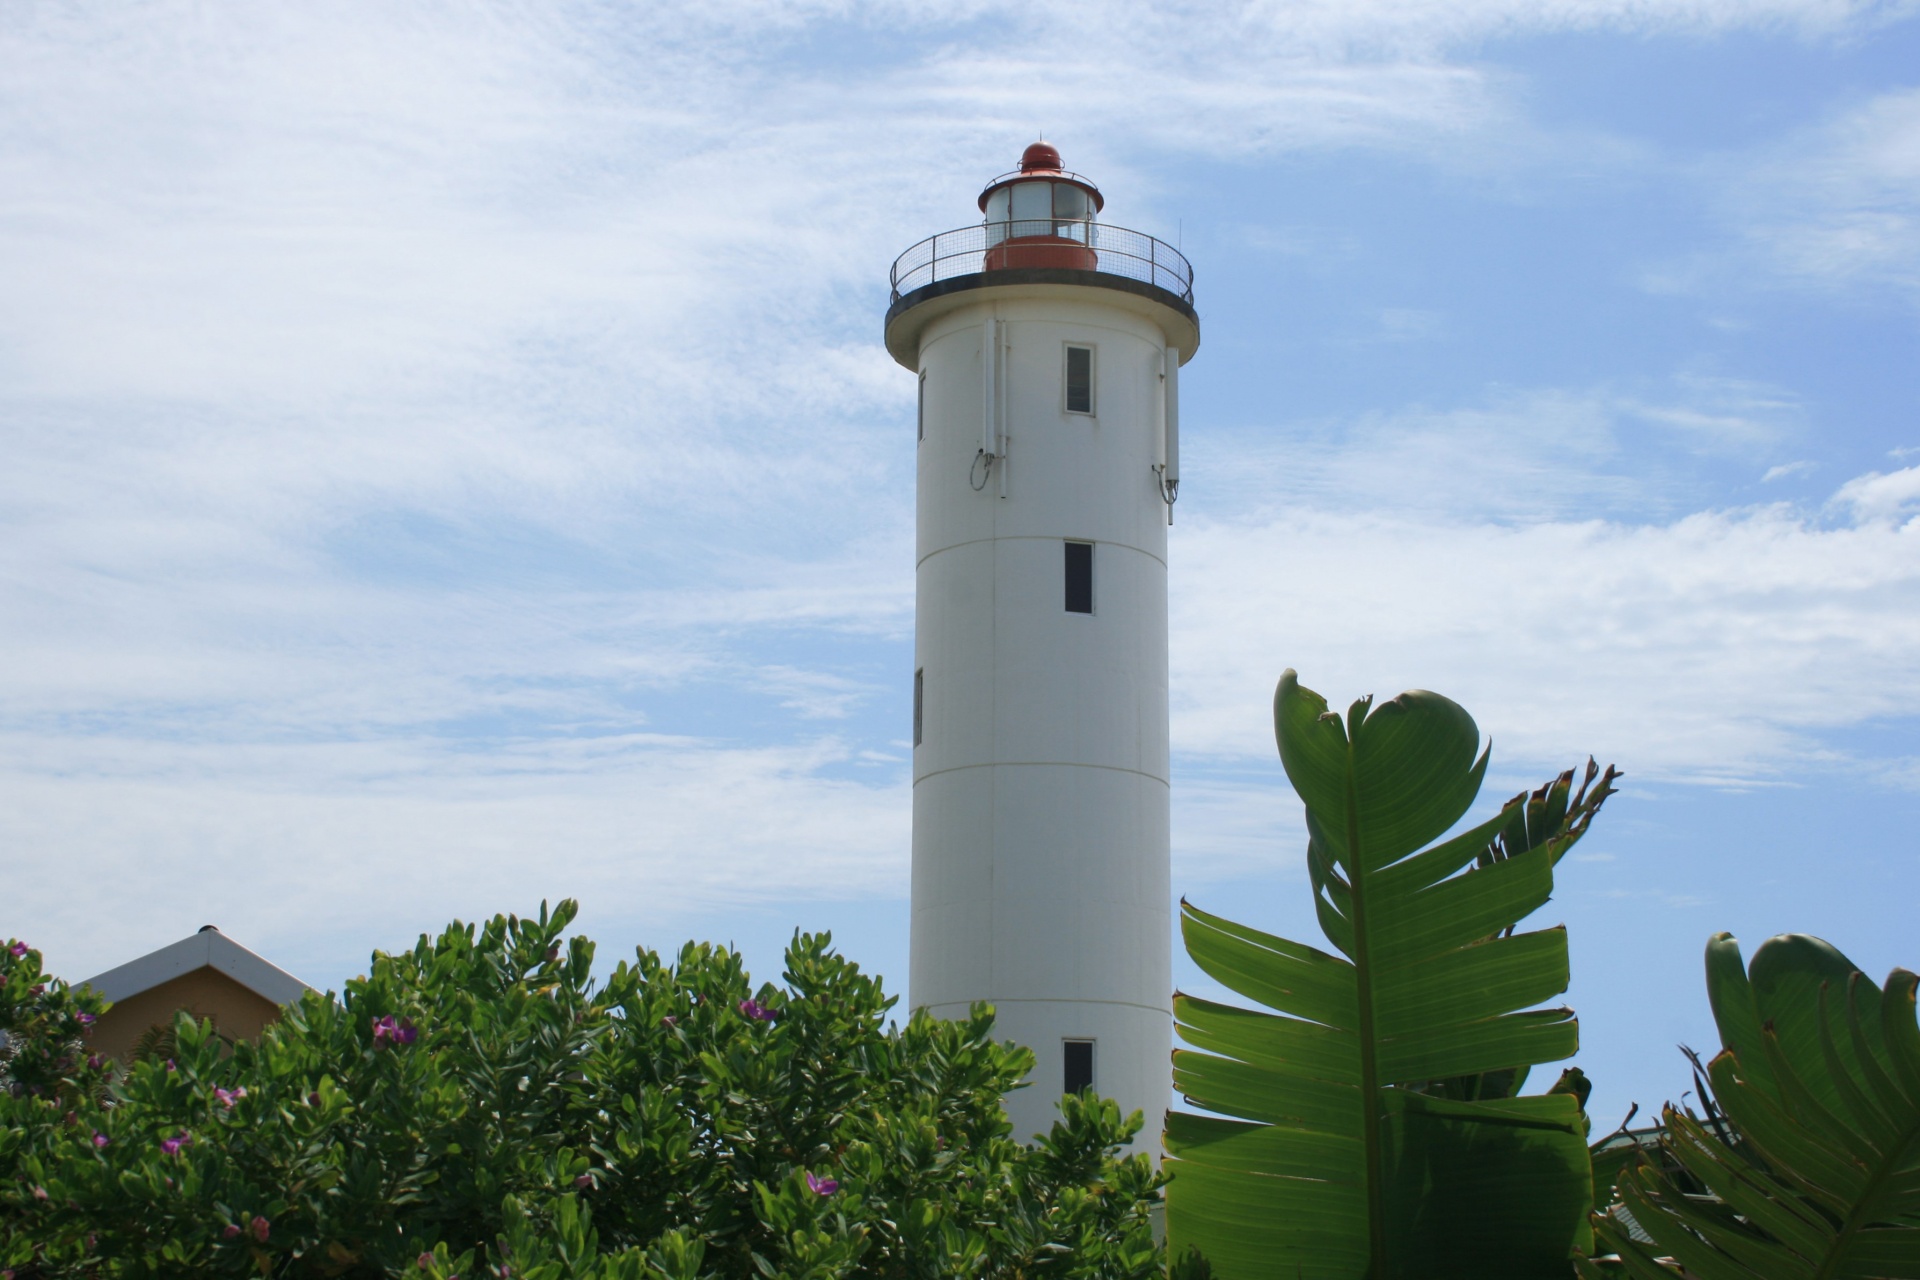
{"points": [[1047, 344]]}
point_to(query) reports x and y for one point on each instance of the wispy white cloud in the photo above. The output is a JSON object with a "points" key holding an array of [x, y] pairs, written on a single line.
{"points": [[362, 842], [1725, 646], [1520, 454], [1882, 499], [1836, 206]]}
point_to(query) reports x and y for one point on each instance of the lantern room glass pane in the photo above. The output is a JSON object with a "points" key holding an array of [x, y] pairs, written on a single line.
{"points": [[1069, 201], [1032, 203], [997, 216]]}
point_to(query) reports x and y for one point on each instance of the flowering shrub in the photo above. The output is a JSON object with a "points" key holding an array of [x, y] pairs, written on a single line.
{"points": [[479, 1106], [43, 1030]]}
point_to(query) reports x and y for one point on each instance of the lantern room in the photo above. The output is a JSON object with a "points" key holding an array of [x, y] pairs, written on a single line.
{"points": [[1040, 215]]}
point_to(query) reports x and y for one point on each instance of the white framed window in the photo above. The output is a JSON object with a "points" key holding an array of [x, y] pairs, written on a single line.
{"points": [[922, 411], [919, 705], [1077, 379]]}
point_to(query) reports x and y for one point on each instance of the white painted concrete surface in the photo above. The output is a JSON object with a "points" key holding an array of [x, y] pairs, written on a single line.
{"points": [[1040, 844]]}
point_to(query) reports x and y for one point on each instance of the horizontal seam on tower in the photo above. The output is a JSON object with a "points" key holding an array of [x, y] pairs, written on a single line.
{"points": [[1125, 1004], [1037, 537], [1051, 764]]}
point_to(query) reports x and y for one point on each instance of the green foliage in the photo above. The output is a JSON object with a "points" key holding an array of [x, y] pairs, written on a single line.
{"points": [[1807, 1164], [480, 1106], [1379, 1131]]}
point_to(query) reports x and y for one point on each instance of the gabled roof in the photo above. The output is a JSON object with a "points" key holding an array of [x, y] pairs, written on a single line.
{"points": [[207, 949]]}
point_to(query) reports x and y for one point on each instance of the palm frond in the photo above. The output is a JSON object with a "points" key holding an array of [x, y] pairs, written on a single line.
{"points": [[1333, 1153], [1808, 1164]]}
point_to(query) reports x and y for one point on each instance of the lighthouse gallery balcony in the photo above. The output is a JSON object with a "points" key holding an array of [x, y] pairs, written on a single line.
{"points": [[1020, 247]]}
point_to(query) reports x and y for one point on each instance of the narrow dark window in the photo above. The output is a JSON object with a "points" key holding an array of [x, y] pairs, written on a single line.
{"points": [[1079, 379], [923, 406], [1079, 1073], [1079, 577], [919, 705]]}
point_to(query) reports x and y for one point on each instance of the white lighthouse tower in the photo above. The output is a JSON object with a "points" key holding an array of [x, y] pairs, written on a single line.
{"points": [[1047, 345]]}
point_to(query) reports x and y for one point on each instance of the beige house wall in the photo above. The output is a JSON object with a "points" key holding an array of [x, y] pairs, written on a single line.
{"points": [[236, 1012]]}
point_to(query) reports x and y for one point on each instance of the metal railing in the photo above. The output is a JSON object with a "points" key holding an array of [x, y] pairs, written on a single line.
{"points": [[1116, 251], [1045, 175]]}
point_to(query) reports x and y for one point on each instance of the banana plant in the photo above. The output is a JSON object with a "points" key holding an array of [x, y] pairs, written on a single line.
{"points": [[1807, 1166], [1364, 1125]]}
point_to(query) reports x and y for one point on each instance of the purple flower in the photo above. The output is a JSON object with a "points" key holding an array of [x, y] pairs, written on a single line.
{"points": [[582, 1182], [85, 1019], [18, 949], [170, 1065], [39, 1193], [93, 1061], [313, 1099], [669, 1021], [231, 1231], [172, 1145], [259, 1227], [100, 1139], [37, 989], [227, 1096], [424, 1261], [822, 1186], [401, 1032], [757, 1011]]}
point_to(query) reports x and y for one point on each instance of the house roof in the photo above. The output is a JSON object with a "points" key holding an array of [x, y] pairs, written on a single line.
{"points": [[207, 949]]}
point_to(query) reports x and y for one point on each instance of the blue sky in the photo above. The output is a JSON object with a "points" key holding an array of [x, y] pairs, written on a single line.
{"points": [[451, 460]]}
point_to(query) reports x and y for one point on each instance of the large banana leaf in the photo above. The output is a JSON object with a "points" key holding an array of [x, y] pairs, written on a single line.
{"points": [[1332, 1155], [1819, 1178]]}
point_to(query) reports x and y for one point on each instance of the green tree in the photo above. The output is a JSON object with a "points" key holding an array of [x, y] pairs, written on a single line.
{"points": [[480, 1105], [1370, 1125]]}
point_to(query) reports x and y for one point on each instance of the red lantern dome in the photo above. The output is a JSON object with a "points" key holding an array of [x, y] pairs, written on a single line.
{"points": [[1041, 157]]}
